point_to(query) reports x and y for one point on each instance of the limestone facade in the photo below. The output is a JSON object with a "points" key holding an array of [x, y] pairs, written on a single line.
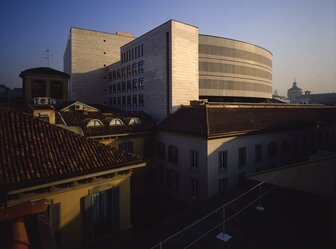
{"points": [[158, 72], [86, 55]]}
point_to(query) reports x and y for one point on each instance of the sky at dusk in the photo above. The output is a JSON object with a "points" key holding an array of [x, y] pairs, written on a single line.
{"points": [[301, 34]]}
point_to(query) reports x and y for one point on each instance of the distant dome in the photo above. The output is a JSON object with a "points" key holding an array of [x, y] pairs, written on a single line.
{"points": [[294, 92]]}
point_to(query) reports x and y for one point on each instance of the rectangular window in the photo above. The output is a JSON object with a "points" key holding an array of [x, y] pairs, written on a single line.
{"points": [[114, 88], [129, 86], [140, 67], [123, 100], [118, 101], [194, 188], [123, 86], [141, 85], [134, 69], [222, 160], [242, 156], [135, 100], [128, 100], [136, 52], [139, 52], [132, 54], [123, 72], [172, 179], [141, 100], [135, 85], [110, 75], [258, 153], [129, 72], [118, 74], [222, 185], [114, 75], [194, 160], [101, 214], [142, 50], [173, 154], [54, 216], [272, 150], [161, 151], [118, 88]]}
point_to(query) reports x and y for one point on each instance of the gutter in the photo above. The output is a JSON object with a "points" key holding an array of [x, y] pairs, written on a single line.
{"points": [[77, 178]]}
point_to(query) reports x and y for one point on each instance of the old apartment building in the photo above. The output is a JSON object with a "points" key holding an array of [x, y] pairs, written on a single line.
{"points": [[86, 184]]}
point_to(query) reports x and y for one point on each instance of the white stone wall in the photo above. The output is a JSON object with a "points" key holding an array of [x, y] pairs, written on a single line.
{"points": [[185, 144], [184, 64], [209, 174], [164, 95], [91, 52]]}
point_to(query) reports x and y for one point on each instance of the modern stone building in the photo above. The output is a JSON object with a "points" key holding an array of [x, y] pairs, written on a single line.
{"points": [[164, 68], [86, 55], [231, 68], [158, 71]]}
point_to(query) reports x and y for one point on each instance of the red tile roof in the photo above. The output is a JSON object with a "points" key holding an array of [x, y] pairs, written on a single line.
{"points": [[44, 71], [32, 151], [219, 120]]}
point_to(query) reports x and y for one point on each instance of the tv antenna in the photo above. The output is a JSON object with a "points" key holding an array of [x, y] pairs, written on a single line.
{"points": [[47, 55]]}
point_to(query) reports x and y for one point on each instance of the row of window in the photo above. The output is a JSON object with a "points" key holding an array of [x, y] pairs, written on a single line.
{"points": [[128, 71], [111, 122], [127, 86], [172, 182], [286, 148], [39, 89], [132, 54], [130, 100]]}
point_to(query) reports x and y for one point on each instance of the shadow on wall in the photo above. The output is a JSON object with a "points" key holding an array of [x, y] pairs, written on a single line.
{"points": [[90, 87]]}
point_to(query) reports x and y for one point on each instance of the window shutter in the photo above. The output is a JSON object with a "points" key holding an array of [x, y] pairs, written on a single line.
{"points": [[115, 193], [88, 224], [55, 220]]}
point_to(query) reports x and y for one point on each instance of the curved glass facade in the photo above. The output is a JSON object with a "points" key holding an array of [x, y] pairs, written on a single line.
{"points": [[233, 68]]}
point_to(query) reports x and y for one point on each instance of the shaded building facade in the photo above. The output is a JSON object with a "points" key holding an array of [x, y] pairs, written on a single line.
{"points": [[45, 85]]}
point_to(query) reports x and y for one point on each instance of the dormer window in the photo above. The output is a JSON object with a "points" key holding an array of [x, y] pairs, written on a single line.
{"points": [[116, 121], [134, 121], [94, 123]]}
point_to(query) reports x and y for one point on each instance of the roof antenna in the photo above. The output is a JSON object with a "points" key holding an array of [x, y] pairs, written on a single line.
{"points": [[47, 55]]}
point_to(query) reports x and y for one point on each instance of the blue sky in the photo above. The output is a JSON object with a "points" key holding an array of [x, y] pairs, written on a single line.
{"points": [[301, 34]]}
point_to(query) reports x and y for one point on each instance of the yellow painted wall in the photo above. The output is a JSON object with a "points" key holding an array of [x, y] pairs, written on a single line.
{"points": [[51, 114], [71, 215]]}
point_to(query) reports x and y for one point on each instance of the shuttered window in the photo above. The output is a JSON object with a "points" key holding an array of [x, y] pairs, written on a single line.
{"points": [[101, 214]]}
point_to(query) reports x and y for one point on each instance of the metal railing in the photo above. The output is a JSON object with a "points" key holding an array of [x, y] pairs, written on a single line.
{"points": [[218, 218]]}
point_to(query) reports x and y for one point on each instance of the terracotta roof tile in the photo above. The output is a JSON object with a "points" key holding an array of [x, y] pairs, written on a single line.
{"points": [[214, 120], [33, 151]]}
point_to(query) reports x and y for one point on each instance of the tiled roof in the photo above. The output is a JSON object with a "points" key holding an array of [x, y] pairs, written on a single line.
{"points": [[78, 118], [44, 71], [32, 151], [212, 120]]}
